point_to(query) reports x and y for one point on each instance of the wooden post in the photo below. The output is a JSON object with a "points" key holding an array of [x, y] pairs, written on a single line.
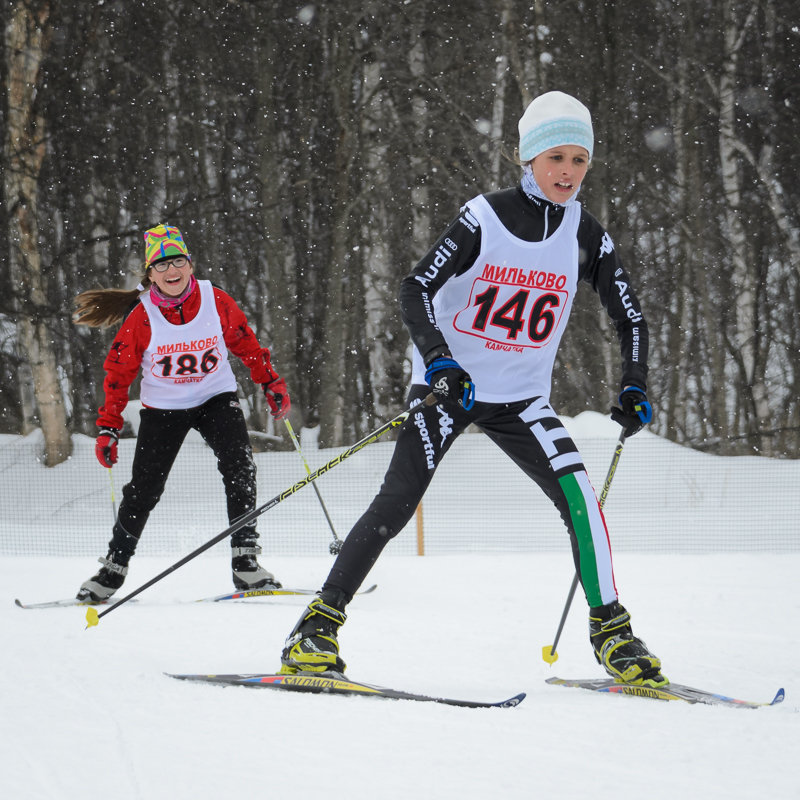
{"points": [[420, 532]]}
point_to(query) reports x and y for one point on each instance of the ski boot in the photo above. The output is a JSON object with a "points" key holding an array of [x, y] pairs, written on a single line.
{"points": [[623, 656], [312, 645], [108, 579], [247, 572]]}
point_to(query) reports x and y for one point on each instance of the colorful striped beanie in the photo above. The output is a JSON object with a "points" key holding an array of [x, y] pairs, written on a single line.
{"points": [[163, 241], [551, 120]]}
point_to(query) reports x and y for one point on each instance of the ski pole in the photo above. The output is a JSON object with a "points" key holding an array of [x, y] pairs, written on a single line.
{"points": [[549, 653], [113, 499], [92, 617], [336, 545]]}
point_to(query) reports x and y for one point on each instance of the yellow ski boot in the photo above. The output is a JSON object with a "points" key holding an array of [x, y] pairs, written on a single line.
{"points": [[312, 645], [623, 656]]}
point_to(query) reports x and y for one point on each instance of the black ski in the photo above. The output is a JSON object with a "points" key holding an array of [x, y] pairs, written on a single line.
{"points": [[672, 691], [334, 683]]}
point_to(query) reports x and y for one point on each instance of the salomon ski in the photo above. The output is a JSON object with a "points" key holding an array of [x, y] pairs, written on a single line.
{"points": [[333, 683], [246, 594], [672, 691], [238, 595]]}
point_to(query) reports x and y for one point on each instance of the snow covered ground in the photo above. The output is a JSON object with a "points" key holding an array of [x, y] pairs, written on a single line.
{"points": [[90, 713]]}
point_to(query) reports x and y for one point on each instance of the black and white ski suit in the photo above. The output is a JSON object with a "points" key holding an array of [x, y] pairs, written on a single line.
{"points": [[495, 291]]}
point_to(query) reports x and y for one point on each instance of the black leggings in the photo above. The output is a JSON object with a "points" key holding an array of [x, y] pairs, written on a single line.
{"points": [[532, 435], [221, 423]]}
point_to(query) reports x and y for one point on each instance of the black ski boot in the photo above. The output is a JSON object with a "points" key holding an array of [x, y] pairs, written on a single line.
{"points": [[247, 572], [312, 645], [108, 579], [115, 567], [623, 656]]}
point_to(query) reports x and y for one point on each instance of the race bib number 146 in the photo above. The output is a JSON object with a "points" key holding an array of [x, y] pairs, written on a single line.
{"points": [[512, 314]]}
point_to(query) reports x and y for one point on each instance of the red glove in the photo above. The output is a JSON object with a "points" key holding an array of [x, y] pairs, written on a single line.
{"points": [[105, 447], [277, 397]]}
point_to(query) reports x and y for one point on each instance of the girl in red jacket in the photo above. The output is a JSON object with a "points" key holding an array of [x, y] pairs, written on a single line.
{"points": [[179, 331]]}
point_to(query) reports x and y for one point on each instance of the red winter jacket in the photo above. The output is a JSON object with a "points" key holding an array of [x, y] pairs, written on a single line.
{"points": [[125, 357]]}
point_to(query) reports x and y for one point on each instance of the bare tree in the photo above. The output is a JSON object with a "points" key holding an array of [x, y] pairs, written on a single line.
{"points": [[26, 42], [312, 154]]}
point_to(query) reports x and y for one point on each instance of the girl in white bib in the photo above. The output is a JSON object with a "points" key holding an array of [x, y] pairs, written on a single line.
{"points": [[486, 309], [179, 332]]}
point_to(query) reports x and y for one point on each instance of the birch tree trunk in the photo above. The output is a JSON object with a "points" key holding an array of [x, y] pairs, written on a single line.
{"points": [[26, 41], [501, 69], [745, 282], [673, 404]]}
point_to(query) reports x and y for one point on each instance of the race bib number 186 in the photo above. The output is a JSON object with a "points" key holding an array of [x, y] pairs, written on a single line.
{"points": [[185, 366]]}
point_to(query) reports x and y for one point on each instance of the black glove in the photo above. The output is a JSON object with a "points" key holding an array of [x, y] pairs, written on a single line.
{"points": [[450, 381], [635, 413]]}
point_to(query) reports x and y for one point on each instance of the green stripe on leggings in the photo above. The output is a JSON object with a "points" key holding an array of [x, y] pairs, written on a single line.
{"points": [[583, 531]]}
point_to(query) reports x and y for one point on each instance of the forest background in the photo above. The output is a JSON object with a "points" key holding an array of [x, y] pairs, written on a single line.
{"points": [[312, 153]]}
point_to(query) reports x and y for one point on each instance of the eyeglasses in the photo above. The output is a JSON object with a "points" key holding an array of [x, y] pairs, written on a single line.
{"points": [[162, 266]]}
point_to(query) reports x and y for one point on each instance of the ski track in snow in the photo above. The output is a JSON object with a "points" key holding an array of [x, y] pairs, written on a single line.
{"points": [[90, 711]]}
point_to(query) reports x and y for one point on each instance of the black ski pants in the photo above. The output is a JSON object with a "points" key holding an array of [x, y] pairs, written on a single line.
{"points": [[221, 423], [532, 435]]}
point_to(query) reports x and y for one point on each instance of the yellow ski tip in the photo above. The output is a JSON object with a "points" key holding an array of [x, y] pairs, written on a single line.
{"points": [[92, 617], [548, 655]]}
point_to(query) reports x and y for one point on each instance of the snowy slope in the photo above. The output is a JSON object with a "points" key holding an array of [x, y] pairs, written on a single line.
{"points": [[89, 713]]}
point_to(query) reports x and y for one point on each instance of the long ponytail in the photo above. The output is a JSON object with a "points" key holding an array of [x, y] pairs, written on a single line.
{"points": [[101, 308]]}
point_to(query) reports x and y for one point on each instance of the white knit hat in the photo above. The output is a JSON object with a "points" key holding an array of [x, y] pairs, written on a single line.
{"points": [[553, 119]]}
